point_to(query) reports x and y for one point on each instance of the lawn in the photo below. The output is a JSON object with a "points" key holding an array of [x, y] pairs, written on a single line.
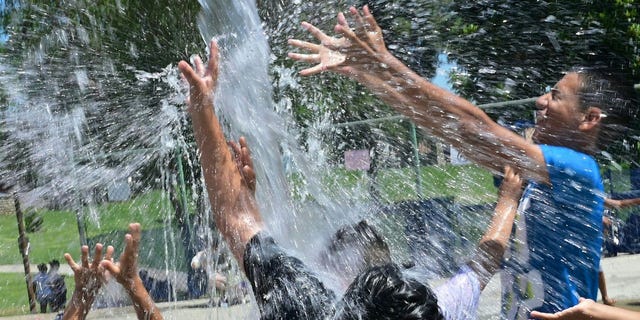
{"points": [[107, 222], [14, 300], [468, 184], [59, 233]]}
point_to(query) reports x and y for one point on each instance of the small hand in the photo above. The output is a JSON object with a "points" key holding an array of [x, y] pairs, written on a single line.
{"points": [[125, 271], [511, 186], [608, 301], [242, 156], [202, 81], [577, 312], [89, 278]]}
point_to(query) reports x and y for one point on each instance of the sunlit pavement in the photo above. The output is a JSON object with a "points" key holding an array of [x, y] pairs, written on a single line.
{"points": [[622, 273], [622, 276]]}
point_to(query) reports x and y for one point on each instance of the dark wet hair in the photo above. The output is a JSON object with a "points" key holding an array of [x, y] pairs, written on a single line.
{"points": [[42, 267], [363, 238], [383, 292], [613, 96], [54, 263]]}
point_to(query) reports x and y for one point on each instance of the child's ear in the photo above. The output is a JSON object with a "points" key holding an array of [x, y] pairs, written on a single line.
{"points": [[592, 118]]}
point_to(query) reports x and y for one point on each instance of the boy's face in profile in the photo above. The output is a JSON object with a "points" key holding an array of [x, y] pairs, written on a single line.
{"points": [[558, 115]]}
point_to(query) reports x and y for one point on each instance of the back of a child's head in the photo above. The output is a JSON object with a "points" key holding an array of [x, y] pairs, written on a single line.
{"points": [[360, 244], [54, 264], [383, 292]]}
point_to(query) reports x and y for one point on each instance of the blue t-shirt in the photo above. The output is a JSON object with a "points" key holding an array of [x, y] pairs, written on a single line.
{"points": [[555, 254]]}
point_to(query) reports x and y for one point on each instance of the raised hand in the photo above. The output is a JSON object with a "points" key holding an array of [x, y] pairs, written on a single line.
{"points": [[203, 80], [125, 271], [358, 50], [89, 278]]}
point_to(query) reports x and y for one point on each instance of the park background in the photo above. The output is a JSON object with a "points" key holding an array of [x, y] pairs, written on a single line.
{"points": [[93, 135]]}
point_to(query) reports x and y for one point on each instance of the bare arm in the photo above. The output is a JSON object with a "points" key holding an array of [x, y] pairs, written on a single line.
{"points": [[588, 309], [232, 201], [621, 204], [495, 240], [362, 55], [126, 273]]}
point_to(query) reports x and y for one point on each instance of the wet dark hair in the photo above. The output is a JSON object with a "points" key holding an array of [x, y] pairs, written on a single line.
{"points": [[54, 263], [383, 292], [613, 96], [42, 267], [361, 237]]}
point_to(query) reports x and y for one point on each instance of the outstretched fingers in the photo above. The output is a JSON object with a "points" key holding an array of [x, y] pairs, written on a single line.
{"points": [[197, 62], [97, 256], [317, 33], [309, 58], [370, 20], [342, 21], [544, 316], [314, 57], [214, 61], [189, 74], [361, 25], [84, 256], [109, 254], [72, 264], [132, 241]]}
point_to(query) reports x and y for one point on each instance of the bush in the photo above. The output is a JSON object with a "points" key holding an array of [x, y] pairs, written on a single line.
{"points": [[33, 221]]}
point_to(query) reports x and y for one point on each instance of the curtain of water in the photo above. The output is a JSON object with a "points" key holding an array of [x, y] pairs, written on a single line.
{"points": [[244, 101]]}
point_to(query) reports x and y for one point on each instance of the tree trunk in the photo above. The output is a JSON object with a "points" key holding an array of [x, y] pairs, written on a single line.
{"points": [[23, 244]]}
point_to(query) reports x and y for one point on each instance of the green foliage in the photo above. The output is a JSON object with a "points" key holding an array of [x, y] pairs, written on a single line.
{"points": [[620, 20], [32, 221], [469, 29]]}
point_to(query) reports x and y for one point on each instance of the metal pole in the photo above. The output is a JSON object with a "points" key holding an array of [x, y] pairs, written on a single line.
{"points": [[400, 117], [506, 103], [23, 244], [416, 155], [183, 187], [82, 233]]}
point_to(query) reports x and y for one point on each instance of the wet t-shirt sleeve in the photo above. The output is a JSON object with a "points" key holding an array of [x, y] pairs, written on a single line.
{"points": [[283, 285], [458, 297]]}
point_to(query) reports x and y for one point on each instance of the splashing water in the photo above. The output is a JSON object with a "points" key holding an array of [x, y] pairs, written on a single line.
{"points": [[82, 113]]}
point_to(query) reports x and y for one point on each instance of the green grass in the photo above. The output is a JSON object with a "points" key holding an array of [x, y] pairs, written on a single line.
{"points": [[59, 234], [468, 184], [104, 223], [14, 299], [107, 223]]}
